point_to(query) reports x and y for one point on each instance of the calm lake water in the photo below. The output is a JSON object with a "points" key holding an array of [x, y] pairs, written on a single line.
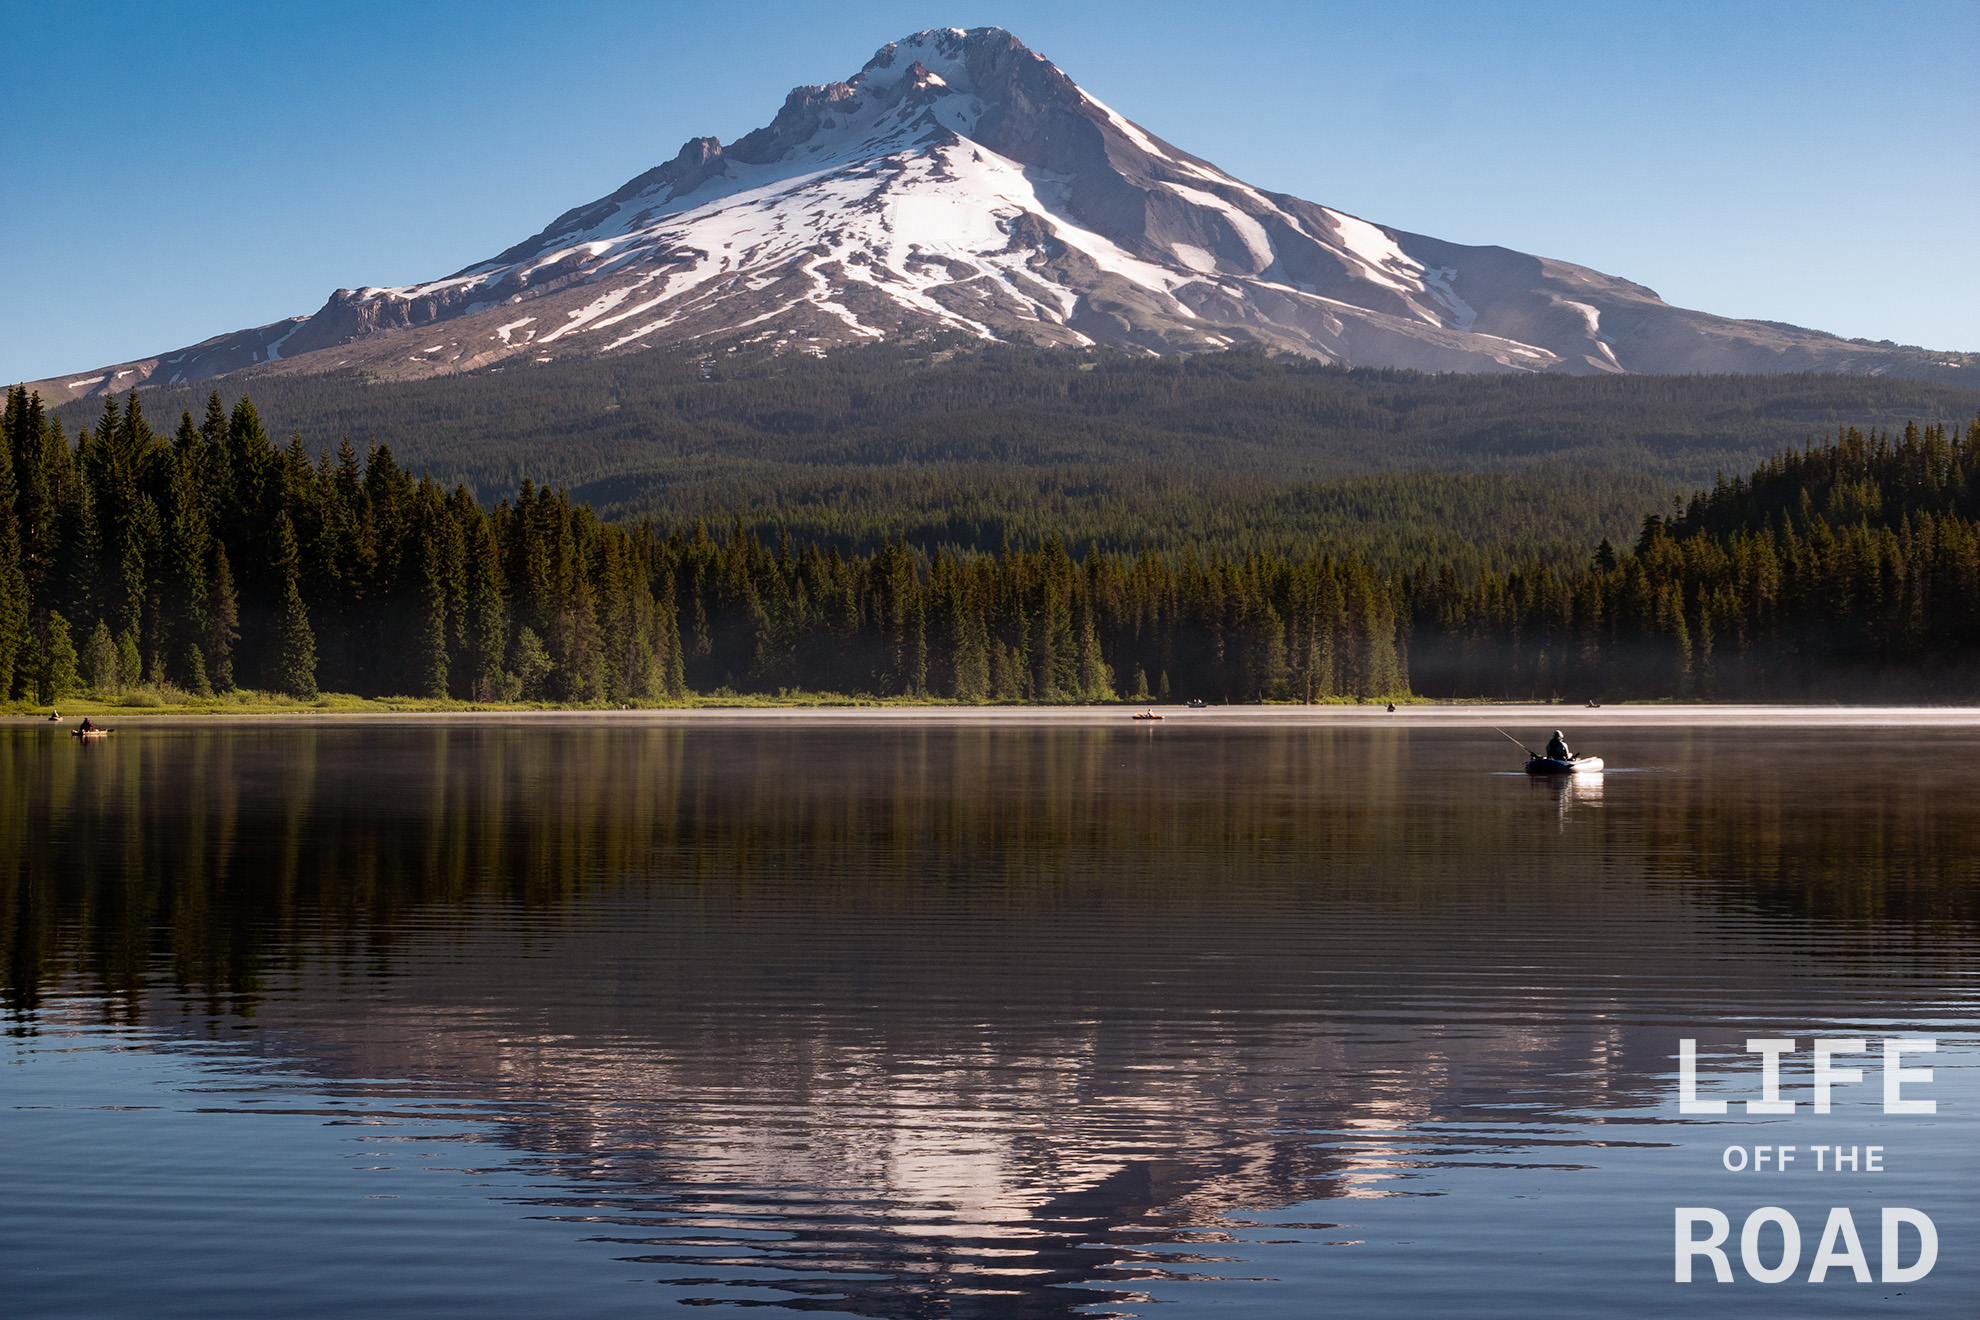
{"points": [[1006, 1020]]}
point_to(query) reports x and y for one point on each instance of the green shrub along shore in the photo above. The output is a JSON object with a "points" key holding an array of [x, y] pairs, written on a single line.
{"points": [[214, 571]]}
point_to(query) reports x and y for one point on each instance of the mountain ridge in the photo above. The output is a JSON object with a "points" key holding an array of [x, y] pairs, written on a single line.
{"points": [[961, 184]]}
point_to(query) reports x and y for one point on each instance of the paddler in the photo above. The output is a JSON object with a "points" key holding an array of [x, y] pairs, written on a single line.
{"points": [[1557, 748], [87, 727]]}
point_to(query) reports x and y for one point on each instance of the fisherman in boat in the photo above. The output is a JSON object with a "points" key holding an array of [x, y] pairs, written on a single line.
{"points": [[87, 727], [1557, 748]]}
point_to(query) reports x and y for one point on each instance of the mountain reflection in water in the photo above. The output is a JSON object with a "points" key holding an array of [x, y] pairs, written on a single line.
{"points": [[1003, 1020]]}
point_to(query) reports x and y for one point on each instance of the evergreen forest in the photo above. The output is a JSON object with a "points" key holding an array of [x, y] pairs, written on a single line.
{"points": [[964, 448], [209, 558]]}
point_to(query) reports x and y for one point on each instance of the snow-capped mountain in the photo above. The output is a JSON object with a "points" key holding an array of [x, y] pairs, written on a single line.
{"points": [[961, 183]]}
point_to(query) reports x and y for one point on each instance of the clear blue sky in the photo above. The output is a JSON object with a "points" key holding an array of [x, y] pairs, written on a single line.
{"points": [[174, 171]]}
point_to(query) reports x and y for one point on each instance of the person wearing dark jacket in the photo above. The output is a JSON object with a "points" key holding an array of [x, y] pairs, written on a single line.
{"points": [[1557, 749]]}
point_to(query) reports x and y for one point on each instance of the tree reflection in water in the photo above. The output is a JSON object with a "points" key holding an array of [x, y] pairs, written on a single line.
{"points": [[911, 1020]]}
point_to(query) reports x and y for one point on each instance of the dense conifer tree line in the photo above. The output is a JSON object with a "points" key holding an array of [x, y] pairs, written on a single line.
{"points": [[212, 558], [1033, 625], [1843, 571]]}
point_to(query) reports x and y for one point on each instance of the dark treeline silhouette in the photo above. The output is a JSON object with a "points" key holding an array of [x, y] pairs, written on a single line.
{"points": [[214, 559], [1841, 571]]}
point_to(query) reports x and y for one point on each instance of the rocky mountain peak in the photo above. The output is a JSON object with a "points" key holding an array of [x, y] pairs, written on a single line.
{"points": [[961, 184]]}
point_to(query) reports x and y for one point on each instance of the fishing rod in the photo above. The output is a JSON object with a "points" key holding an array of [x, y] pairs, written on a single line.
{"points": [[1515, 742]]}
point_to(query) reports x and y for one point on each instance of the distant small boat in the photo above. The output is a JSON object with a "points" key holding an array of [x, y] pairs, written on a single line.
{"points": [[1196, 703], [1554, 765], [54, 719], [90, 733], [1146, 715]]}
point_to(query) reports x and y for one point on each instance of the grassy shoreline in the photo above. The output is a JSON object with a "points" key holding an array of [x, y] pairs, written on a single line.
{"points": [[1415, 712], [168, 701]]}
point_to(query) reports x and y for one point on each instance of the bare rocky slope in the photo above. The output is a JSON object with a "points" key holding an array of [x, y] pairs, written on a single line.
{"points": [[960, 183]]}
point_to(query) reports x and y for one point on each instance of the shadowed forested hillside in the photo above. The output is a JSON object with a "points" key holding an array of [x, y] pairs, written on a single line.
{"points": [[1846, 571], [968, 448]]}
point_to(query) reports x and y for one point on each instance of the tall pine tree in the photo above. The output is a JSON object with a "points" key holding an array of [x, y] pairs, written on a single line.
{"points": [[290, 666]]}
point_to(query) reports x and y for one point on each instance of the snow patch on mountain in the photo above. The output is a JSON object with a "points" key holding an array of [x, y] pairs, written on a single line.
{"points": [[1592, 317], [1381, 259], [275, 348], [1249, 230], [1438, 283], [1127, 129]]}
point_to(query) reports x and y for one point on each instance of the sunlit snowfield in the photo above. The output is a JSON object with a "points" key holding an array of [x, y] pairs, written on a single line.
{"points": [[1262, 1013]]}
